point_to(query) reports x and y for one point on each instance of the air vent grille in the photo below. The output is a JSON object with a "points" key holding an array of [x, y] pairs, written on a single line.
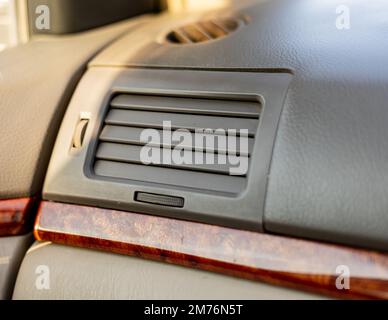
{"points": [[203, 31], [120, 146]]}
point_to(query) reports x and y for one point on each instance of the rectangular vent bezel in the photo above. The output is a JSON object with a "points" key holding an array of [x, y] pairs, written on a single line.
{"points": [[70, 177]]}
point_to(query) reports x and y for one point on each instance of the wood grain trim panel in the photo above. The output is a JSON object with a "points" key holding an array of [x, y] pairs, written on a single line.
{"points": [[16, 216], [273, 259]]}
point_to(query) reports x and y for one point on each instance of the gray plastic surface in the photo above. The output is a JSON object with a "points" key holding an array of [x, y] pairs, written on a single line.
{"points": [[210, 197], [328, 177]]}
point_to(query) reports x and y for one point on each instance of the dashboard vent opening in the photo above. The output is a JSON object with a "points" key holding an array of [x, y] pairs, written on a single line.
{"points": [[203, 31], [121, 141]]}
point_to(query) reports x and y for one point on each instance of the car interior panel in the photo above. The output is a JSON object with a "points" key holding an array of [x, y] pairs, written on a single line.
{"points": [[179, 149]]}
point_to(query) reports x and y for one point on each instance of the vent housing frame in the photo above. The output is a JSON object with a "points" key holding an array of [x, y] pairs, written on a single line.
{"points": [[70, 177]]}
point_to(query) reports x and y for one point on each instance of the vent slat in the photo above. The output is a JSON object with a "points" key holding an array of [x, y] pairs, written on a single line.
{"points": [[218, 25], [247, 109], [152, 119], [181, 37], [226, 24], [131, 135], [168, 176], [208, 35], [213, 29], [132, 154]]}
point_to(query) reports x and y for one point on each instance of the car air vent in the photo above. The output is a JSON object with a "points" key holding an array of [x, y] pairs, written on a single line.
{"points": [[203, 31], [194, 142]]}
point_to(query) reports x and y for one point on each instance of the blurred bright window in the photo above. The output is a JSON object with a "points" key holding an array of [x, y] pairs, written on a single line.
{"points": [[8, 24]]}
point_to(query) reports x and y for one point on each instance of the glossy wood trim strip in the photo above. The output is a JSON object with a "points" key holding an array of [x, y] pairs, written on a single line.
{"points": [[273, 259], [16, 216]]}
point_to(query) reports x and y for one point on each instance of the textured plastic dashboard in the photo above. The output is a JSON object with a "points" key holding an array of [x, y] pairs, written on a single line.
{"points": [[328, 178]]}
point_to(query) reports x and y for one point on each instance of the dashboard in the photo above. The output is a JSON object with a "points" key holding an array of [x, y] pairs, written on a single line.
{"points": [[301, 107]]}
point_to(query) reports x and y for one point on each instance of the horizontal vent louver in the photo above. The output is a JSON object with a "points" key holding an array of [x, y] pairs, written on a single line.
{"points": [[203, 31], [120, 145]]}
